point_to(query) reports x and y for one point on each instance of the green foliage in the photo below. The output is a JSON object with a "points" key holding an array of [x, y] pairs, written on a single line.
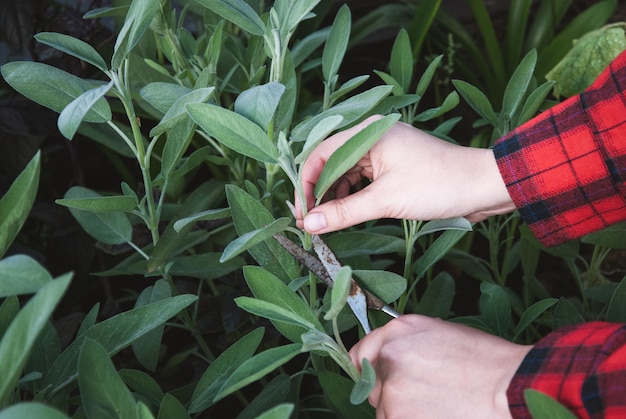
{"points": [[208, 110]]}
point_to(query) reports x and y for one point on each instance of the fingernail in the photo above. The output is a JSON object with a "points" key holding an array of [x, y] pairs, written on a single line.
{"points": [[314, 222]]}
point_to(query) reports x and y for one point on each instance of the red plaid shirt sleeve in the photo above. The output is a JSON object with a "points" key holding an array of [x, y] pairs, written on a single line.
{"points": [[583, 367], [566, 169]]}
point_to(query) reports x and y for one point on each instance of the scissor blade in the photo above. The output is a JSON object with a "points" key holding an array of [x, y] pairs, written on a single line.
{"points": [[356, 298]]}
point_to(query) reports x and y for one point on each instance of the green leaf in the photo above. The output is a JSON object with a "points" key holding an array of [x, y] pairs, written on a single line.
{"points": [[163, 95], [173, 242], [282, 411], [565, 314], [255, 368], [102, 392], [99, 204], [272, 394], [350, 110], [612, 236], [259, 103], [272, 312], [30, 410], [495, 308], [107, 227], [144, 385], [477, 100], [16, 203], [225, 364], [234, 131], [178, 110], [542, 406], [73, 46], [19, 338], [171, 407], [52, 88], [336, 44], [237, 12], [21, 274], [208, 215], [365, 385], [339, 293], [427, 76], [401, 64], [317, 135], [347, 87], [138, 19], [534, 102], [442, 225], [267, 287], [616, 310], [532, 313], [449, 103], [147, 347], [515, 90], [254, 237], [343, 244], [437, 299], [115, 333], [249, 214], [438, 250], [338, 390], [387, 286], [346, 156]]}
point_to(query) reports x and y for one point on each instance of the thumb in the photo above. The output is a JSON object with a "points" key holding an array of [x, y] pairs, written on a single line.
{"points": [[341, 213]]}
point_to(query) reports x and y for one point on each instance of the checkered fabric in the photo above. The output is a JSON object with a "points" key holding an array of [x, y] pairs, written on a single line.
{"points": [[566, 169], [582, 366]]}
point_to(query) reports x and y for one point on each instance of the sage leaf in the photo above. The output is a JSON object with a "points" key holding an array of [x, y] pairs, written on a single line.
{"points": [[29, 410], [388, 286], [434, 226], [97, 203], [138, 19], [21, 335], [515, 90], [251, 238], [178, 110], [282, 411], [73, 115], [477, 100], [495, 307], [437, 299], [541, 405], [73, 46], [21, 274], [317, 135], [115, 333], [350, 110], [531, 313], [365, 385], [534, 102], [16, 203], [612, 236], [208, 215], [337, 43], [267, 287], [401, 63], [107, 227], [346, 156], [219, 370], [427, 76], [162, 95], [102, 391], [249, 214], [171, 407], [257, 367], [259, 103], [347, 87], [272, 312], [234, 131], [436, 251], [52, 87], [341, 287], [565, 314], [616, 310], [237, 12]]}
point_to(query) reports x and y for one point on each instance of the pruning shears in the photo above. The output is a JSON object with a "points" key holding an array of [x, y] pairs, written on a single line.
{"points": [[326, 266]]}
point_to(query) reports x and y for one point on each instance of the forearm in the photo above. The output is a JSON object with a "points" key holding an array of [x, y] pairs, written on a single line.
{"points": [[566, 169]]}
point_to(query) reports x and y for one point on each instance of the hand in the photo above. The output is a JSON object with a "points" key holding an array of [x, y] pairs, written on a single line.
{"points": [[430, 368], [414, 176]]}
